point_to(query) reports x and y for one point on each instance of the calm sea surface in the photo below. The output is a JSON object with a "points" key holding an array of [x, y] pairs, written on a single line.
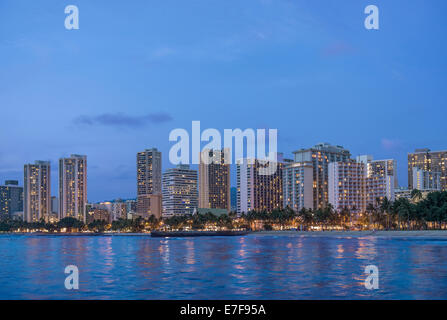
{"points": [[250, 267]]}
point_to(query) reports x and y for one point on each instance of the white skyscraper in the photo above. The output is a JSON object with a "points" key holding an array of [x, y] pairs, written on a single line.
{"points": [[298, 185], [180, 193], [381, 178]]}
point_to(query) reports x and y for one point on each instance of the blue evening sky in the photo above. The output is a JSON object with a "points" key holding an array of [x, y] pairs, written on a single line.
{"points": [[135, 70]]}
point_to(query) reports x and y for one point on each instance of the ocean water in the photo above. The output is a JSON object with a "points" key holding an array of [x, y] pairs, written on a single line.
{"points": [[249, 267]]}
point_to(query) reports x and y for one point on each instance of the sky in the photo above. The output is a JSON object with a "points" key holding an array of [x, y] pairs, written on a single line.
{"points": [[135, 70]]}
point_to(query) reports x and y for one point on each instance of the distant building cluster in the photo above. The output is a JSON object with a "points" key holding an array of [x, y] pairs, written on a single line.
{"points": [[313, 179]]}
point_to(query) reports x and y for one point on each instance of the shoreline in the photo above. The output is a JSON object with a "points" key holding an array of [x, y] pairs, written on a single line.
{"points": [[328, 234], [359, 234]]}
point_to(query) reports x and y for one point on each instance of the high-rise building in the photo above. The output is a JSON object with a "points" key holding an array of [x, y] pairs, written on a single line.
{"points": [[149, 172], [73, 187], [347, 186], [149, 183], [37, 191], [257, 191], [320, 156], [429, 161], [180, 193], [380, 179], [424, 180], [298, 185], [11, 198], [214, 180]]}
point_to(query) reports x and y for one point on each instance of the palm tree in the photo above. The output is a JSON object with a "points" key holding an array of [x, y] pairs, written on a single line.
{"points": [[416, 195], [370, 211], [385, 207]]}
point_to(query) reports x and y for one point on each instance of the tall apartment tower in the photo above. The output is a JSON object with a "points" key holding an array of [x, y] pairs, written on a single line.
{"points": [[381, 178], [149, 172], [149, 196], [298, 185], [320, 156], [214, 180], [11, 198], [257, 191], [180, 193], [429, 161], [37, 191], [73, 187], [347, 186]]}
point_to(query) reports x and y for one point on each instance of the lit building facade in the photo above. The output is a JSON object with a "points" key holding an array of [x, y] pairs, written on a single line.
{"points": [[347, 186], [426, 180], [98, 211], [298, 185], [320, 156], [214, 180], [149, 204], [180, 193], [11, 198], [380, 179], [256, 191], [429, 161], [149, 183], [37, 191], [149, 172], [73, 187]]}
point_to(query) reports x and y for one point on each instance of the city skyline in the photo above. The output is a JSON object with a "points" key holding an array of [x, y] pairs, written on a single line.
{"points": [[367, 158], [311, 71]]}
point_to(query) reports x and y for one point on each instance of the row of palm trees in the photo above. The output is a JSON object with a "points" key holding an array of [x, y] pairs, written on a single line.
{"points": [[411, 214], [70, 224], [417, 213]]}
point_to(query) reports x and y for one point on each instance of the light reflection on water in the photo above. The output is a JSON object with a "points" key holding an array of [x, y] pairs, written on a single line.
{"points": [[251, 267]]}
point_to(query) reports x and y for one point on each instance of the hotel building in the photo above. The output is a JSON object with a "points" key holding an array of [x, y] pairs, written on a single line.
{"points": [[180, 194], [298, 185], [149, 183], [37, 191], [11, 198], [380, 179], [429, 161], [426, 180], [98, 211], [320, 156], [73, 187], [214, 180], [257, 191], [347, 186]]}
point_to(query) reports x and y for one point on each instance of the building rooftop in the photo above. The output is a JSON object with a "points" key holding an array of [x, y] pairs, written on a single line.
{"points": [[324, 147]]}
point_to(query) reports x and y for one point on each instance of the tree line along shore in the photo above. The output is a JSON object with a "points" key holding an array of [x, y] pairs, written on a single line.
{"points": [[417, 213]]}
